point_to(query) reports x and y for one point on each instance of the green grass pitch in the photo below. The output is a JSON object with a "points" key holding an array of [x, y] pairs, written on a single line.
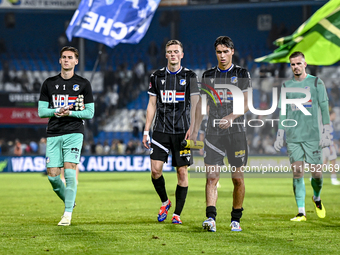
{"points": [[116, 213]]}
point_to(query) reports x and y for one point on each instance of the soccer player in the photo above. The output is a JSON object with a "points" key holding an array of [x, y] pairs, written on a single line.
{"points": [[303, 135], [66, 99], [329, 153], [225, 133], [172, 90]]}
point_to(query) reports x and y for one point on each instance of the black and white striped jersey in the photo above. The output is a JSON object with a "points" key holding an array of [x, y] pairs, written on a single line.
{"points": [[173, 91], [220, 100]]}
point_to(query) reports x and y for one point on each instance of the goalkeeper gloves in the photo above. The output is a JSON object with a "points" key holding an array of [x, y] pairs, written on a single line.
{"points": [[326, 140], [279, 140]]}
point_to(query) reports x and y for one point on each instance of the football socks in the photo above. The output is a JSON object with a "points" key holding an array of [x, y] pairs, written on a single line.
{"points": [[210, 212], [181, 194], [58, 186], [236, 214], [317, 186], [71, 189], [299, 192], [159, 185]]}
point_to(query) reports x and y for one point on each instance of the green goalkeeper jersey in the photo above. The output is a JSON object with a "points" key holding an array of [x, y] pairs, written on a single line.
{"points": [[307, 126]]}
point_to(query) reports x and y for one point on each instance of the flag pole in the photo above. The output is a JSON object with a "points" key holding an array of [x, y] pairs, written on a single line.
{"points": [[81, 56], [97, 61]]}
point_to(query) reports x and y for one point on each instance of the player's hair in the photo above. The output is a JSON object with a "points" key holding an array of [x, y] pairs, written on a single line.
{"points": [[296, 54], [224, 40], [70, 48], [173, 42]]}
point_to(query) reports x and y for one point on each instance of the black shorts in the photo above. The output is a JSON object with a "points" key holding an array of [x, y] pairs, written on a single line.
{"points": [[234, 146], [162, 144]]}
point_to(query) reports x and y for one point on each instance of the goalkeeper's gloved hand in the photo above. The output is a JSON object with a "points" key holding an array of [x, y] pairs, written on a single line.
{"points": [[326, 140], [279, 140], [79, 105]]}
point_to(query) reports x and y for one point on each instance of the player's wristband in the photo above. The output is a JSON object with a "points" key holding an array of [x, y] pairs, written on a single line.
{"points": [[70, 113], [146, 133]]}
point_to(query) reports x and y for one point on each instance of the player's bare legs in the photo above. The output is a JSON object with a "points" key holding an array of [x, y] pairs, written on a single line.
{"points": [[156, 168], [211, 194], [238, 197], [239, 188], [53, 171]]}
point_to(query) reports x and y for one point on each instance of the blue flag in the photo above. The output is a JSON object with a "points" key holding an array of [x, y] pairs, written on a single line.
{"points": [[112, 21]]}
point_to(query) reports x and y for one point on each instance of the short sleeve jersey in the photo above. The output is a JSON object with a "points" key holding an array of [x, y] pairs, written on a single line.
{"points": [[220, 100], [304, 128], [173, 91], [59, 92]]}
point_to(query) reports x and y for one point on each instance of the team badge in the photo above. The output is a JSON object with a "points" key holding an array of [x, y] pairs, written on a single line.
{"points": [[234, 79], [162, 81], [308, 88], [182, 82], [75, 87], [56, 86], [47, 160]]}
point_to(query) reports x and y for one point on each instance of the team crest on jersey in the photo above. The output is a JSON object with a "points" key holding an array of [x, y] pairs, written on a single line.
{"points": [[75, 87], [56, 86], [162, 81], [182, 82], [308, 88], [234, 79], [212, 80], [47, 160]]}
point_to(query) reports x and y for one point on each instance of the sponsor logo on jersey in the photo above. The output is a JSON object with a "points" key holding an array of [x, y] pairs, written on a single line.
{"points": [[47, 160], [316, 152], [185, 153], [74, 150], [63, 100], [234, 79], [150, 85], [224, 95], [182, 82], [308, 104], [240, 154], [75, 87], [172, 96]]}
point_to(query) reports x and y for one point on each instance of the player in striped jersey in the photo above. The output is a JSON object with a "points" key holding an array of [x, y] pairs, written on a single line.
{"points": [[66, 99], [173, 95], [305, 139], [225, 133]]}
